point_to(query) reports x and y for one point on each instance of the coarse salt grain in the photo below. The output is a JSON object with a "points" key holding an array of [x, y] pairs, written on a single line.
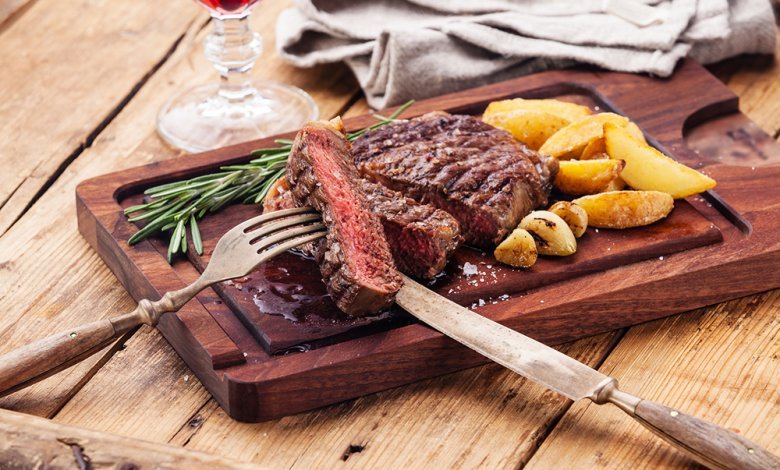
{"points": [[470, 269]]}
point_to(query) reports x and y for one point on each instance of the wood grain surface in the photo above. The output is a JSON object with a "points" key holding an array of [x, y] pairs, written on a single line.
{"points": [[482, 417], [620, 278]]}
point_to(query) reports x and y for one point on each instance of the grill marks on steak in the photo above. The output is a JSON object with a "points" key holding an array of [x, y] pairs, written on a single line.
{"points": [[476, 172], [421, 237], [355, 260]]}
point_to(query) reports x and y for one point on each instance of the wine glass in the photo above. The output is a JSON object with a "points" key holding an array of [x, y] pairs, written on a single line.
{"points": [[237, 108]]}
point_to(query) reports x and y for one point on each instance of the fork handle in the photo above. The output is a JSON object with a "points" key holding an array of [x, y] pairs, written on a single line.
{"points": [[45, 357]]}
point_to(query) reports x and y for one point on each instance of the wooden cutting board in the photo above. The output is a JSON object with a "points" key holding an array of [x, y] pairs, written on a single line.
{"points": [[273, 344]]}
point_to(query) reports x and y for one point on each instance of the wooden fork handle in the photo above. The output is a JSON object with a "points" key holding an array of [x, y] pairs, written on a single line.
{"points": [[47, 356]]}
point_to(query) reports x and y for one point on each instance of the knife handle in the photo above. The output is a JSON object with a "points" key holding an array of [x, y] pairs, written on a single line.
{"points": [[707, 443]]}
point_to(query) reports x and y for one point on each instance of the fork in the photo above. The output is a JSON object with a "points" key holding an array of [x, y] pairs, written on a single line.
{"points": [[238, 252]]}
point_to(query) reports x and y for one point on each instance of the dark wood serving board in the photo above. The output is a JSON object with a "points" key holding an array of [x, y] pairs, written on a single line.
{"points": [[273, 344]]}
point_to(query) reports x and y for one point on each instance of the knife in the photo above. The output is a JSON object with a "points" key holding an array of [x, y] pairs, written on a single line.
{"points": [[708, 444]]}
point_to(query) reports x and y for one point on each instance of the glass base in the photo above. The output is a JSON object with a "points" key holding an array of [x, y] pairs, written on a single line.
{"points": [[199, 119]]}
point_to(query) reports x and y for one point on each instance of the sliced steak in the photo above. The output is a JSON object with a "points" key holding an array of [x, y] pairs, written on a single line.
{"points": [[421, 237], [355, 259], [477, 173]]}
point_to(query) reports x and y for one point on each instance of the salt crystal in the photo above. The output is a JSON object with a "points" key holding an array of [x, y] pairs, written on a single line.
{"points": [[490, 266], [470, 269], [661, 258], [541, 301], [481, 302], [186, 378], [596, 230], [503, 296]]}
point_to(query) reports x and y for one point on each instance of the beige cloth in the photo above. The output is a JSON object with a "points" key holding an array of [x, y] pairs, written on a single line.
{"points": [[402, 49]]}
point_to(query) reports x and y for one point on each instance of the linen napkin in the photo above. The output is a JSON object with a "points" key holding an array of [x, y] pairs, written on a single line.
{"points": [[402, 49]]}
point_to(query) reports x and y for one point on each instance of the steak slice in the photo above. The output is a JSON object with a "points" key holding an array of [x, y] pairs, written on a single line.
{"points": [[355, 260], [421, 237], [479, 174]]}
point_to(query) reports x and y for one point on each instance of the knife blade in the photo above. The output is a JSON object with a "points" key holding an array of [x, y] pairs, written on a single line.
{"points": [[515, 351], [705, 442]]}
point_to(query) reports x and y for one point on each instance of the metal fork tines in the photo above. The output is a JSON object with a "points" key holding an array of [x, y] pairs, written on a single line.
{"points": [[237, 253]]}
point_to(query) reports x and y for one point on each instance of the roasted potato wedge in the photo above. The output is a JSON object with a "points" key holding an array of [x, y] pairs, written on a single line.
{"points": [[551, 233], [569, 111], [579, 177], [625, 209], [517, 250], [575, 216], [615, 185], [595, 150], [530, 127], [648, 169], [572, 140]]}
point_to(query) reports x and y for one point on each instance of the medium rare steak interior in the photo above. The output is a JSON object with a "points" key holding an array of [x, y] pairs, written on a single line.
{"points": [[421, 237], [355, 259], [476, 172]]}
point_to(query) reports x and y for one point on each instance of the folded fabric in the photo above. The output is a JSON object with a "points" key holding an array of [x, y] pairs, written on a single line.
{"points": [[402, 49]]}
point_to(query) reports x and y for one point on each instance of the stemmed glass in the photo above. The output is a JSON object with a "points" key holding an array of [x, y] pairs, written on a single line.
{"points": [[237, 108]]}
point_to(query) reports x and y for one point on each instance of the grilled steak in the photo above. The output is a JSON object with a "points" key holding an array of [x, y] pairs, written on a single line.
{"points": [[479, 174], [355, 259], [421, 237]]}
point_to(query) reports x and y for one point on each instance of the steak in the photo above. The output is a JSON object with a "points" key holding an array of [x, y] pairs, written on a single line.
{"points": [[354, 259], [421, 237], [481, 175]]}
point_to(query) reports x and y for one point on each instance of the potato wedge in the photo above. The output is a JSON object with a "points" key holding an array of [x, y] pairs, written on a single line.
{"points": [[648, 169], [569, 111], [595, 150], [551, 233], [579, 177], [532, 128], [572, 140], [575, 216], [615, 185], [517, 250], [625, 209]]}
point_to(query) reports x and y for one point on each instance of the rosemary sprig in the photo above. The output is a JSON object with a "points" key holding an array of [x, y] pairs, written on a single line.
{"points": [[174, 206]]}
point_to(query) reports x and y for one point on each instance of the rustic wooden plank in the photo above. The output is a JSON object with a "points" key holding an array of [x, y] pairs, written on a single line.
{"points": [[487, 417], [720, 364], [77, 59], [29, 442], [44, 247], [755, 80], [11, 8]]}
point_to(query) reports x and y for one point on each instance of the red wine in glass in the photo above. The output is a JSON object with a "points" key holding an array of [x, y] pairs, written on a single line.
{"points": [[227, 7]]}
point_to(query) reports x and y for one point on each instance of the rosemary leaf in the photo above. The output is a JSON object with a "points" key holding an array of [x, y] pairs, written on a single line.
{"points": [[173, 206]]}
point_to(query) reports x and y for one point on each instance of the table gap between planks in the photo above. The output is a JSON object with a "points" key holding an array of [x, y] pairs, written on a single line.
{"points": [[83, 85]]}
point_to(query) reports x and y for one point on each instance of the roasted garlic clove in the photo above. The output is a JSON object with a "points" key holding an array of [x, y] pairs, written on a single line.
{"points": [[575, 216], [517, 250], [551, 233]]}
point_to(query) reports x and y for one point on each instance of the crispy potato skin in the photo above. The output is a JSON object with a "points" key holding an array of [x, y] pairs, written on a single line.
{"points": [[595, 150], [580, 177], [648, 169], [625, 209], [517, 250], [563, 109], [575, 216], [571, 141], [530, 127]]}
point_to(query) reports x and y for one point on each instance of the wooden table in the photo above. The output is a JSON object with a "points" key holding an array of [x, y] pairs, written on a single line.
{"points": [[80, 85]]}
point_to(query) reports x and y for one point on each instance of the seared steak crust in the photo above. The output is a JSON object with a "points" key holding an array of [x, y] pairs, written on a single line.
{"points": [[477, 173], [355, 259], [421, 237]]}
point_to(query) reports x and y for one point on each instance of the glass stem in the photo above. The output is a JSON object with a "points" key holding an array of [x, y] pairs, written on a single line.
{"points": [[233, 48]]}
